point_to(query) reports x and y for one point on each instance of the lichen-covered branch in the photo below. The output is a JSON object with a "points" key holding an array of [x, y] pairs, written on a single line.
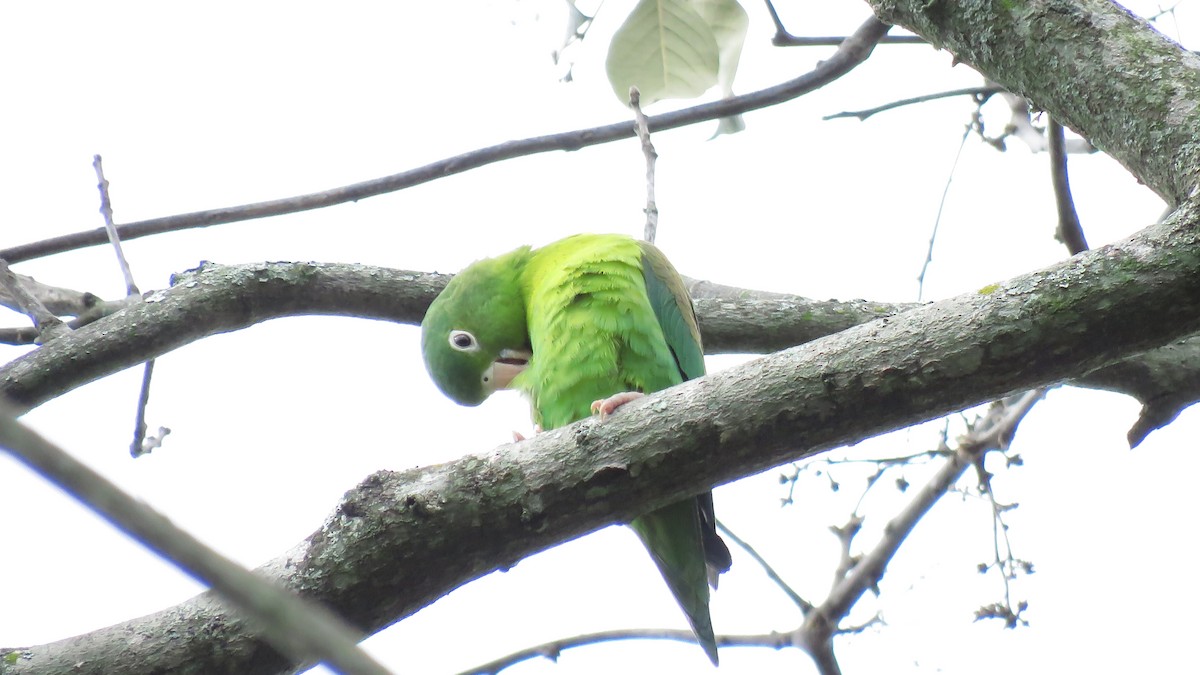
{"points": [[1091, 64], [220, 298], [485, 512]]}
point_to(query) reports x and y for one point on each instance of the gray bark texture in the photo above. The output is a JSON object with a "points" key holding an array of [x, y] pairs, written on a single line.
{"points": [[400, 540]]}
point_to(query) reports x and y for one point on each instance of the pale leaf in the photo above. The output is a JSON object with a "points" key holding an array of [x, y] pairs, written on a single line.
{"points": [[666, 50]]}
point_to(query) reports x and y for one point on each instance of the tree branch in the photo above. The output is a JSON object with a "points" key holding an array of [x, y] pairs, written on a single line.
{"points": [[485, 512], [1091, 64], [1069, 231], [853, 51], [218, 298], [1001, 422], [783, 38], [305, 631], [804, 605], [553, 649], [979, 94], [45, 323], [60, 301]]}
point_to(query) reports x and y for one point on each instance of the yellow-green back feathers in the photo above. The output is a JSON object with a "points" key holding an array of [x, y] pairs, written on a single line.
{"points": [[591, 326]]}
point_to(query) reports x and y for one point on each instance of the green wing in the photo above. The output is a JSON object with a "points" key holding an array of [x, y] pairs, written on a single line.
{"points": [[682, 537], [674, 310]]}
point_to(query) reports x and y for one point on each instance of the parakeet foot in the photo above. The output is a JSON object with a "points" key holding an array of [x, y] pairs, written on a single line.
{"points": [[518, 436], [607, 406]]}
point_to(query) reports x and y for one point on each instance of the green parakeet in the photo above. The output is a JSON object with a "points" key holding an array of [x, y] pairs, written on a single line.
{"points": [[576, 325]]}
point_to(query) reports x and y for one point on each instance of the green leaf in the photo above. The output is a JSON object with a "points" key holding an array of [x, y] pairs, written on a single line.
{"points": [[666, 50], [729, 23]]}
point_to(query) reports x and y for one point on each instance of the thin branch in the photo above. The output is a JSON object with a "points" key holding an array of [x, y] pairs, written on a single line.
{"points": [[999, 425], [643, 134], [98, 310], [110, 228], [876, 620], [60, 301], [979, 94], [139, 446], [1006, 564], [1070, 231], [142, 443], [789, 40], [783, 38], [853, 51], [845, 536], [938, 219], [553, 649], [804, 605], [305, 631], [47, 325]]}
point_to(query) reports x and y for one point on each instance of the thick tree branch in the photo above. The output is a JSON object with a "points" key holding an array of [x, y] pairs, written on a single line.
{"points": [[488, 511], [853, 51], [218, 298], [1091, 64]]}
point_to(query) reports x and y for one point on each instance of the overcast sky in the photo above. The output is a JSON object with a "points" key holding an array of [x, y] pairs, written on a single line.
{"points": [[241, 102]]}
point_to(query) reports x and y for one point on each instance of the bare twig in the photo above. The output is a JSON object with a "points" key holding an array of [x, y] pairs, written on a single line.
{"points": [[938, 219], [643, 133], [1070, 231], [110, 228], [804, 605], [48, 325], [876, 620], [143, 444], [853, 51], [139, 446], [783, 38], [553, 649], [845, 535], [305, 631], [979, 94], [992, 432]]}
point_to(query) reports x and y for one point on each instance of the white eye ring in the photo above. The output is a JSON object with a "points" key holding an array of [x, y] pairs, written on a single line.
{"points": [[463, 341]]}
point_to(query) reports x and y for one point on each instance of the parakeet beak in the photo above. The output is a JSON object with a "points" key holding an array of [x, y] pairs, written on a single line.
{"points": [[510, 364]]}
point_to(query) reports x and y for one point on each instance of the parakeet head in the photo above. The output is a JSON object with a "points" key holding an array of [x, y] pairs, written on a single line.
{"points": [[474, 336]]}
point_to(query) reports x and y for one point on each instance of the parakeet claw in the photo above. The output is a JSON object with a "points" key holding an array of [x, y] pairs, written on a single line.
{"points": [[518, 436], [607, 406]]}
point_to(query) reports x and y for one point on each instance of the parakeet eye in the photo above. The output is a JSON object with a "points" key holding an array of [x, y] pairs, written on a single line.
{"points": [[463, 341]]}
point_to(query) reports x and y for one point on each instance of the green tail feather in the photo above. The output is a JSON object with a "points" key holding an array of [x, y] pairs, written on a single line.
{"points": [[672, 534]]}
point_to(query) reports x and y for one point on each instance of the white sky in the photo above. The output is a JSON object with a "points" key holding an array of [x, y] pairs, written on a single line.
{"points": [[237, 103]]}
